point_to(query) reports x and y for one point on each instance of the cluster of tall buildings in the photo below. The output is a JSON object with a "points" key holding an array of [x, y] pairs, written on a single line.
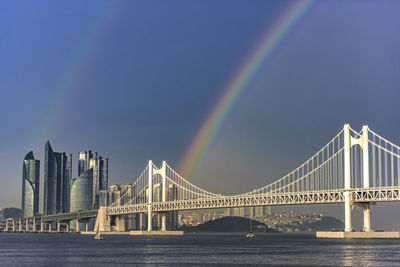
{"points": [[62, 193]]}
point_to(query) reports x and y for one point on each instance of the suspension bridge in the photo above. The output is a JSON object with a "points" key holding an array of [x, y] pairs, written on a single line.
{"points": [[356, 168]]}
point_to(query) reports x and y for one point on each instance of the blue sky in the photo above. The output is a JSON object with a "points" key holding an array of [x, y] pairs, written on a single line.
{"points": [[134, 80]]}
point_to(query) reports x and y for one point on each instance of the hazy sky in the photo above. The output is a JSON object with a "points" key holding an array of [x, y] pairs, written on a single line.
{"points": [[135, 80]]}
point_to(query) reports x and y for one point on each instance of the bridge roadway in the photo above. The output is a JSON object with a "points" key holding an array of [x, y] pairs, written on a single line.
{"points": [[361, 195]]}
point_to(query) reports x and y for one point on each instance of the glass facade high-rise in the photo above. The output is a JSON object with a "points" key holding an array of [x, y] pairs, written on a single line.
{"points": [[30, 186], [88, 160], [81, 191], [57, 176]]}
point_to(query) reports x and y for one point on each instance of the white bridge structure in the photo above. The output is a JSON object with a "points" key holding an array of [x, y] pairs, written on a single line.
{"points": [[356, 168]]}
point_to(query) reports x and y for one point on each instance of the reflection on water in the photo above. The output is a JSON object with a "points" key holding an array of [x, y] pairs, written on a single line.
{"points": [[195, 250], [353, 255], [365, 252]]}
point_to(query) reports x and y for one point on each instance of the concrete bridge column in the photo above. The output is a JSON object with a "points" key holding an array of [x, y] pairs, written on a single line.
{"points": [[41, 225], [67, 227], [34, 225], [120, 223], [347, 210], [149, 219], [58, 226], [102, 221], [27, 224], [20, 225], [77, 225], [13, 225], [367, 215], [140, 221], [163, 221], [87, 227], [6, 225]]}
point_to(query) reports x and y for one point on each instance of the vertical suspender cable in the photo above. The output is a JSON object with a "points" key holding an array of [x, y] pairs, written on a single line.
{"points": [[398, 167], [373, 162], [391, 165], [379, 165], [386, 166]]}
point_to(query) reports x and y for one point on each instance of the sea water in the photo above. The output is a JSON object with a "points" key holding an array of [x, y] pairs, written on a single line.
{"points": [[29, 249]]}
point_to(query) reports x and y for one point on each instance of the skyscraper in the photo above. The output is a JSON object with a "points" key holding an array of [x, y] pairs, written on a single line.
{"points": [[30, 186], [88, 160], [81, 191], [57, 176]]}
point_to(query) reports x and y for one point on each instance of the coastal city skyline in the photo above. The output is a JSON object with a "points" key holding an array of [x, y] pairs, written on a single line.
{"points": [[153, 105], [199, 133]]}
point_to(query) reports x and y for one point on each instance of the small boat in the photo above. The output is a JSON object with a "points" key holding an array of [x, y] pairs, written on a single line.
{"points": [[250, 235], [97, 236]]}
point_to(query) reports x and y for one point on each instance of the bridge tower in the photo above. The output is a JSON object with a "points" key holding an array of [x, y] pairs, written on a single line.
{"points": [[347, 184], [163, 173], [150, 197], [350, 141]]}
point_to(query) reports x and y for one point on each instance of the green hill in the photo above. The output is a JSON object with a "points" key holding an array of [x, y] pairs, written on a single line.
{"points": [[327, 223]]}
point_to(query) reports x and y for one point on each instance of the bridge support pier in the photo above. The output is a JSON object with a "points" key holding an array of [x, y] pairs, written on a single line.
{"points": [[149, 219], [367, 215], [20, 226], [120, 223], [58, 226], [140, 221], [77, 225], [87, 227], [34, 225], [102, 221], [347, 210], [26, 224], [41, 226], [163, 221]]}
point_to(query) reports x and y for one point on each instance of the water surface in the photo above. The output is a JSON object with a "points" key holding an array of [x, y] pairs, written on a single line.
{"points": [[195, 250]]}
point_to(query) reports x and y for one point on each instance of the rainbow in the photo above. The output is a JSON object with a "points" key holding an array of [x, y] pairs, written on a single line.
{"points": [[235, 88]]}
